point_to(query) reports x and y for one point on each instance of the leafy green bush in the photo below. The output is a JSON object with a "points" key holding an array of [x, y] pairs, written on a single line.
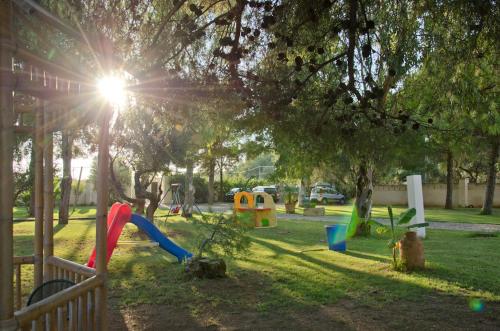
{"points": [[200, 186]]}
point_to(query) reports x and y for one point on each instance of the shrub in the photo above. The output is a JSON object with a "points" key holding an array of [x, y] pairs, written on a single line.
{"points": [[200, 186]]}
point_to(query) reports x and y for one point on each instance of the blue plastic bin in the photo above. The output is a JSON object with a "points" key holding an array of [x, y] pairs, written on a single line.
{"points": [[336, 237]]}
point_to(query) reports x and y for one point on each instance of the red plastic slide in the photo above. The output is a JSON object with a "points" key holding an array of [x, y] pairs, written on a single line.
{"points": [[118, 216]]}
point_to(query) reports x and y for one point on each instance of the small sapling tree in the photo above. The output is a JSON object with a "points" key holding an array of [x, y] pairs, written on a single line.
{"points": [[220, 235]]}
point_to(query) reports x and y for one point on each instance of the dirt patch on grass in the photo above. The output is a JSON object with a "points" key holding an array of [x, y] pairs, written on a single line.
{"points": [[431, 313], [152, 317]]}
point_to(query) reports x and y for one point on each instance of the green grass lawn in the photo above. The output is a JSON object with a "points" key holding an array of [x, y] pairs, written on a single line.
{"points": [[458, 215], [78, 212], [288, 269]]}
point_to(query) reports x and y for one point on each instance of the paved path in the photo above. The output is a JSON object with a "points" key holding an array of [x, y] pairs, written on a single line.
{"points": [[222, 207]]}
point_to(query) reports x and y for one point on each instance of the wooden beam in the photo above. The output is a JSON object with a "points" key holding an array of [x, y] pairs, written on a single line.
{"points": [[69, 58], [38, 190], [99, 45], [6, 172], [24, 109], [23, 129], [26, 259], [57, 70], [47, 89], [48, 194], [102, 212], [72, 266]]}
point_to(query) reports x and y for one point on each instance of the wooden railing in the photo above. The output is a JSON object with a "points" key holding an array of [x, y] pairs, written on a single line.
{"points": [[65, 269], [71, 309], [18, 262]]}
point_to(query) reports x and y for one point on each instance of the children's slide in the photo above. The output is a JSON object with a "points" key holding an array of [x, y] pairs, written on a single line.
{"points": [[118, 216], [154, 234]]}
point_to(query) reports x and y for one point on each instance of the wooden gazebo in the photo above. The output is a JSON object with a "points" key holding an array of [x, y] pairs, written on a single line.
{"points": [[55, 89]]}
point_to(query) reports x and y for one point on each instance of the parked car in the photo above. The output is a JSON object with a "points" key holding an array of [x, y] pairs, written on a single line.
{"points": [[229, 196], [325, 194], [271, 190]]}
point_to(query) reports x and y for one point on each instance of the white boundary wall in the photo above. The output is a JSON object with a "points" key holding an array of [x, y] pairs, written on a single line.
{"points": [[464, 194]]}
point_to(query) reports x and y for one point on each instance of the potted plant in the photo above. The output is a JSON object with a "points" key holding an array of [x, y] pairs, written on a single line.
{"points": [[410, 247], [310, 209], [291, 198]]}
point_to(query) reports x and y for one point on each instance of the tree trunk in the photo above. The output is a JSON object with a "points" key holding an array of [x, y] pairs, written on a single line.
{"points": [[140, 199], [221, 188], [364, 189], [187, 210], [66, 151], [211, 177], [121, 191], [302, 192], [154, 200], [449, 180], [491, 181]]}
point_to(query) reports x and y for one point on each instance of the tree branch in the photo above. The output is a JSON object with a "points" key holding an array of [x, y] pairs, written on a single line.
{"points": [[116, 183]]}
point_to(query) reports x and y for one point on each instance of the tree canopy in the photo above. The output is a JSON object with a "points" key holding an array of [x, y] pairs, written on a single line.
{"points": [[375, 89]]}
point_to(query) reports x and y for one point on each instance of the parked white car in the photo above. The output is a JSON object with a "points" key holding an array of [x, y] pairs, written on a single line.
{"points": [[324, 194], [270, 189]]}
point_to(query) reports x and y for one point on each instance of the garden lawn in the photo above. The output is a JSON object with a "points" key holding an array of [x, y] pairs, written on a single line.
{"points": [[289, 280], [79, 212], [457, 215]]}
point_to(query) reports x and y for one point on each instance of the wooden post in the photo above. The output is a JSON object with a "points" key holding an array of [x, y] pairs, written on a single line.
{"points": [[6, 172], [101, 221], [38, 190], [48, 192], [66, 151]]}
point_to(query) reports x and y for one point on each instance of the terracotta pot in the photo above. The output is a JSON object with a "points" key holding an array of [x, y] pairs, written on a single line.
{"points": [[411, 251], [290, 208]]}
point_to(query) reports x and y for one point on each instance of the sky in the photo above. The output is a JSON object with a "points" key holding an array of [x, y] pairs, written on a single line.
{"points": [[77, 164]]}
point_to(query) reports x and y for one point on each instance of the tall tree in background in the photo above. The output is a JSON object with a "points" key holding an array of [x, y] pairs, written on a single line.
{"points": [[141, 138], [323, 80], [464, 75]]}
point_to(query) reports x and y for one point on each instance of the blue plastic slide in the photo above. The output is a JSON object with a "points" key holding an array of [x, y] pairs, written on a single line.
{"points": [[152, 231]]}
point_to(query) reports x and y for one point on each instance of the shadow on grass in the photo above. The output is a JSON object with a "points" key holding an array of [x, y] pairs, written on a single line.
{"points": [[59, 227], [365, 256], [230, 303], [153, 293], [368, 279], [78, 249], [148, 290]]}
